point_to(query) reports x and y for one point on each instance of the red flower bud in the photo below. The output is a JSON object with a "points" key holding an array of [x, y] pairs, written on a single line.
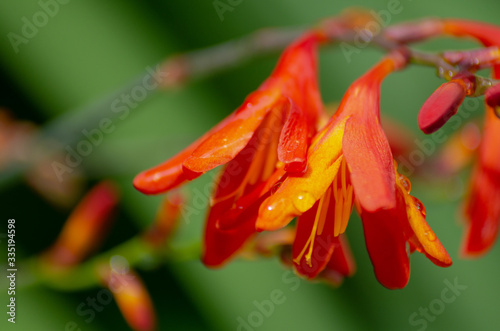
{"points": [[441, 106]]}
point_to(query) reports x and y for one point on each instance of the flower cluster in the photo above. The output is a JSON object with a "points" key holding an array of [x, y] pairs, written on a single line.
{"points": [[284, 159]]}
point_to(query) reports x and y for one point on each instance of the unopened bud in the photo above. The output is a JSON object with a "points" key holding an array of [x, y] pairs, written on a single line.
{"points": [[441, 106], [86, 226], [132, 298], [165, 222]]}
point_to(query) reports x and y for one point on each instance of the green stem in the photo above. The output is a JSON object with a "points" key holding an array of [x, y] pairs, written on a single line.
{"points": [[86, 275]]}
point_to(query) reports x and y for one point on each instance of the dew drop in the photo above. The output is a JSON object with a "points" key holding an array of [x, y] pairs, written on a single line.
{"points": [[304, 201], [430, 235], [276, 206], [275, 187], [405, 182], [420, 206]]}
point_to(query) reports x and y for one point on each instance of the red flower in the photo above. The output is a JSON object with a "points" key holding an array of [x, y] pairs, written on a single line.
{"points": [[262, 140], [350, 162], [483, 205]]}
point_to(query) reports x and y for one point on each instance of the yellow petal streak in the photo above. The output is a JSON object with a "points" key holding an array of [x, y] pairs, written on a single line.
{"points": [[342, 201]]}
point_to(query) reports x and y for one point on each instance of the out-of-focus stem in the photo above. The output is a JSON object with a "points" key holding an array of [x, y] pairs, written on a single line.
{"points": [[86, 275]]}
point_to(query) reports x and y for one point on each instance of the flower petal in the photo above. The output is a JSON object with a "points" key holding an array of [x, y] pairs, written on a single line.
{"points": [[429, 244], [170, 174], [341, 263], [483, 212], [296, 195], [364, 144], [224, 144], [294, 139], [314, 241], [483, 205], [370, 161], [386, 244], [220, 245]]}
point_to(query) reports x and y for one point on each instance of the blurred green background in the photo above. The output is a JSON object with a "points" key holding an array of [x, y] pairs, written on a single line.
{"points": [[89, 49]]}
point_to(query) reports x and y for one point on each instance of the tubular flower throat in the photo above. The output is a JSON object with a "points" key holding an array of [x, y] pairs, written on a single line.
{"points": [[350, 163], [266, 138], [483, 205]]}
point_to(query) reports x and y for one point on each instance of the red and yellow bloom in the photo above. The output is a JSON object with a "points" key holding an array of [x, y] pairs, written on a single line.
{"points": [[350, 163], [262, 140], [278, 168]]}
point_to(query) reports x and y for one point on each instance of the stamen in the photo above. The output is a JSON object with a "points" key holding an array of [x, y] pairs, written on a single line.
{"points": [[324, 211], [343, 197], [263, 162], [343, 201], [347, 209], [338, 214], [318, 226]]}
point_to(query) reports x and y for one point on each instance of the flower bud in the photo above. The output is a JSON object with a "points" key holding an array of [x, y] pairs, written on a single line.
{"points": [[85, 227], [441, 106], [166, 221], [132, 297]]}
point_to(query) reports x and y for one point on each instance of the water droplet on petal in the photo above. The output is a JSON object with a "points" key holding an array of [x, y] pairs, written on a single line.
{"points": [[275, 187], [276, 205], [304, 201], [430, 235], [405, 182], [420, 206]]}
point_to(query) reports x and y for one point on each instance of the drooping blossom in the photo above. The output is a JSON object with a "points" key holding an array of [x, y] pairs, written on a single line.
{"points": [[265, 138], [350, 163], [85, 228]]}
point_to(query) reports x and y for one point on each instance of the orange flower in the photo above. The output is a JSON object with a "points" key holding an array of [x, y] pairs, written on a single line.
{"points": [[290, 94], [265, 138], [483, 205], [350, 162]]}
